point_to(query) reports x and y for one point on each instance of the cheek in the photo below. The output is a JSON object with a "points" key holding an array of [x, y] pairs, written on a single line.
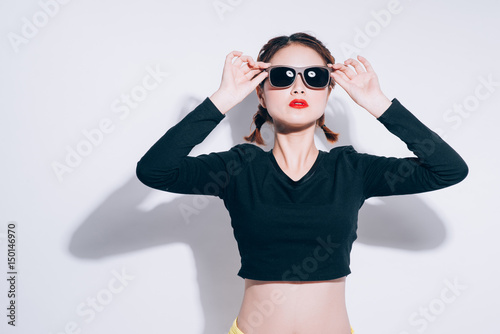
{"points": [[320, 99], [318, 102], [276, 98]]}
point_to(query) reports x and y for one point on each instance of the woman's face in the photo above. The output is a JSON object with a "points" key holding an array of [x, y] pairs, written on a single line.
{"points": [[277, 100]]}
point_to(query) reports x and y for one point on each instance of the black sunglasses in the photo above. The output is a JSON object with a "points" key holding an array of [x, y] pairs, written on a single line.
{"points": [[281, 76]]}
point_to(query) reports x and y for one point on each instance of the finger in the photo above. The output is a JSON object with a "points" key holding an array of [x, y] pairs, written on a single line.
{"points": [[231, 55], [365, 62], [335, 67], [356, 64], [249, 71], [339, 77], [244, 58], [345, 70], [258, 66], [341, 73], [261, 64], [258, 79], [252, 73], [254, 66], [246, 69]]}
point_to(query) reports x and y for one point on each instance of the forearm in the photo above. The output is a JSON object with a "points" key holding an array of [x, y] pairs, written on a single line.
{"points": [[432, 151], [436, 166], [378, 105], [165, 155], [221, 102]]}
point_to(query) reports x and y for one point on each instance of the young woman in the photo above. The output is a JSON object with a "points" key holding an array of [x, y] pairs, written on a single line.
{"points": [[294, 208]]}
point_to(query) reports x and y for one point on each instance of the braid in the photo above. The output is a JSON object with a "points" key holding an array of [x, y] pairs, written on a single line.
{"points": [[331, 136], [260, 117]]}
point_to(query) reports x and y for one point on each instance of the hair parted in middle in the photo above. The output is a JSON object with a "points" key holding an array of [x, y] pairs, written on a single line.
{"points": [[265, 54]]}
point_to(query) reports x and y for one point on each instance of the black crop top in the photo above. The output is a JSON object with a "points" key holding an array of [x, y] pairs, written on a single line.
{"points": [[301, 230]]}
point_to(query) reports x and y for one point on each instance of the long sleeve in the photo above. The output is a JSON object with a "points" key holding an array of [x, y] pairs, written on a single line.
{"points": [[166, 165], [436, 166]]}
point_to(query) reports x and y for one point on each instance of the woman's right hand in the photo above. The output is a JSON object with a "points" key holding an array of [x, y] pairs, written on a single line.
{"points": [[237, 80]]}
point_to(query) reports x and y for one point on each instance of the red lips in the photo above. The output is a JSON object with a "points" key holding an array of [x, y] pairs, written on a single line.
{"points": [[298, 103]]}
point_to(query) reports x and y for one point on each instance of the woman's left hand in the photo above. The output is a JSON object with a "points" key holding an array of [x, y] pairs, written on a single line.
{"points": [[363, 87]]}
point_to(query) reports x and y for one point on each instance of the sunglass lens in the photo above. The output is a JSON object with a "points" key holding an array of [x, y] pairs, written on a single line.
{"points": [[282, 76], [317, 76]]}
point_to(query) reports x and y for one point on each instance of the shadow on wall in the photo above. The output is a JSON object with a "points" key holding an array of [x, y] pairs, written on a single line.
{"points": [[118, 226]]}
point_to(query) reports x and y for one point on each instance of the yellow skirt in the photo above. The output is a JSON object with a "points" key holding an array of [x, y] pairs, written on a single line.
{"points": [[235, 330]]}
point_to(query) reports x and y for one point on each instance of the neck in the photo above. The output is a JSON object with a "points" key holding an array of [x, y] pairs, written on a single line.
{"points": [[294, 153]]}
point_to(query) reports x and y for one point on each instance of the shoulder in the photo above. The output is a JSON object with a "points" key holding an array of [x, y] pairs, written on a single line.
{"points": [[245, 153], [247, 149], [342, 152], [348, 155]]}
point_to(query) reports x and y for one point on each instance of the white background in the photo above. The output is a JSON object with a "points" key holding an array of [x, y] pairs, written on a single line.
{"points": [[76, 232]]}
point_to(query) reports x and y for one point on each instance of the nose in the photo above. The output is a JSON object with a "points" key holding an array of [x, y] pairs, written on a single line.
{"points": [[298, 86]]}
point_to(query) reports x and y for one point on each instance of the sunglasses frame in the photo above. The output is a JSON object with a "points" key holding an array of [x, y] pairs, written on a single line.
{"points": [[300, 70]]}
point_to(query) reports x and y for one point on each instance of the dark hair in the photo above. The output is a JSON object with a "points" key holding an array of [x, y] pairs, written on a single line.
{"points": [[265, 54]]}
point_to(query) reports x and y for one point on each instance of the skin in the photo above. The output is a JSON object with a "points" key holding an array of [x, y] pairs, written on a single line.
{"points": [[294, 147], [296, 307]]}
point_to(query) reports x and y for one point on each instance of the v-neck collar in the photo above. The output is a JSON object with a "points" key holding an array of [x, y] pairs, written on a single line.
{"points": [[287, 178]]}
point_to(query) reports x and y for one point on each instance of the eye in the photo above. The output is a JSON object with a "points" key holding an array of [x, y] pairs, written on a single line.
{"points": [[311, 74], [289, 74]]}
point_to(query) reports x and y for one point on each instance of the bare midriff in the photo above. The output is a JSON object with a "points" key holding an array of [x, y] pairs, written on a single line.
{"points": [[271, 307]]}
